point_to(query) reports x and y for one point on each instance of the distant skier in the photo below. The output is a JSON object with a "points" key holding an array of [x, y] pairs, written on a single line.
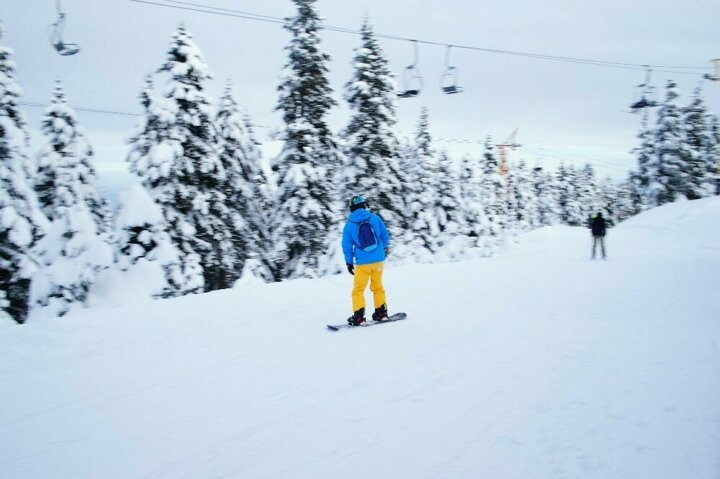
{"points": [[598, 227], [364, 243]]}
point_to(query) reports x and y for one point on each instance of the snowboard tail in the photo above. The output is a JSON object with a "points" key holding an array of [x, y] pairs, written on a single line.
{"points": [[367, 324]]}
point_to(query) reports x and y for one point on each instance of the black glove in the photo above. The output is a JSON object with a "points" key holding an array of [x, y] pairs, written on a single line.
{"points": [[351, 269]]}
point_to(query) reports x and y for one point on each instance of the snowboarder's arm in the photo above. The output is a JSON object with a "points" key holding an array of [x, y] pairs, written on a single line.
{"points": [[347, 245], [383, 233]]}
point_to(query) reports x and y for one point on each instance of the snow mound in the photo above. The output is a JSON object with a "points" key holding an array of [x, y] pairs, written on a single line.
{"points": [[683, 229]]}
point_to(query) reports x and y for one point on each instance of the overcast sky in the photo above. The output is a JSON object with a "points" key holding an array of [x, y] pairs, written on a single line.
{"points": [[564, 110]]}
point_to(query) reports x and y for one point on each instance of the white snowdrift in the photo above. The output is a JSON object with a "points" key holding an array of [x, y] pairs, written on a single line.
{"points": [[536, 363]]}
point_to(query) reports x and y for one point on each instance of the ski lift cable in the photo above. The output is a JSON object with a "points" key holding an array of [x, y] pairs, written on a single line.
{"points": [[88, 110], [32, 104], [546, 153], [204, 8], [565, 153], [563, 156], [229, 13], [400, 38], [538, 151], [579, 158], [580, 161], [249, 14]]}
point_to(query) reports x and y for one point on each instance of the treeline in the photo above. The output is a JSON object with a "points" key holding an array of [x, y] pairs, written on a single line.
{"points": [[205, 214]]}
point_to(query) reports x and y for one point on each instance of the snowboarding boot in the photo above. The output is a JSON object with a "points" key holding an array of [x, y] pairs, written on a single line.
{"points": [[357, 318], [380, 313]]}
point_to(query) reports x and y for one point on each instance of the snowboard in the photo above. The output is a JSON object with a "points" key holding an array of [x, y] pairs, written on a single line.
{"points": [[367, 324]]}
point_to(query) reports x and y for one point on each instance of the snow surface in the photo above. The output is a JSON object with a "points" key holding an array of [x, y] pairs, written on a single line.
{"points": [[535, 363]]}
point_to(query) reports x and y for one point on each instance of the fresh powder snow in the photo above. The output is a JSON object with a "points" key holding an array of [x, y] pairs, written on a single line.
{"points": [[534, 363]]}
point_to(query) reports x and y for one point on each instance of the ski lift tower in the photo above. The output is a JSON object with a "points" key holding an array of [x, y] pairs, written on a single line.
{"points": [[502, 148]]}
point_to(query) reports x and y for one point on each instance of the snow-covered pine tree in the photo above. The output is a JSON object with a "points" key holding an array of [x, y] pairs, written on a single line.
{"points": [[671, 153], [570, 210], [523, 211], [73, 251], [713, 156], [245, 189], [587, 194], [607, 201], [646, 173], [493, 199], [306, 220], [21, 221], [66, 144], [578, 213], [448, 209], [423, 138], [265, 180], [405, 240], [470, 179], [699, 143], [626, 199], [152, 158], [637, 200], [532, 205], [5, 307], [151, 131], [420, 168], [546, 194], [512, 198], [193, 201], [372, 150], [143, 245], [563, 193]]}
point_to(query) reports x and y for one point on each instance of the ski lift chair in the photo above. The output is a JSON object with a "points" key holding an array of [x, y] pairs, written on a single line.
{"points": [[56, 31], [449, 79], [643, 102], [448, 82], [716, 76], [644, 96], [66, 49], [412, 80]]}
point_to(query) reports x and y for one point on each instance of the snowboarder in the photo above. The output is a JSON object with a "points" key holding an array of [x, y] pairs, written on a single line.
{"points": [[365, 241], [598, 227]]}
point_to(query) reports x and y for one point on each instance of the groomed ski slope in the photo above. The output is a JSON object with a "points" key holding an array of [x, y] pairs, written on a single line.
{"points": [[536, 363]]}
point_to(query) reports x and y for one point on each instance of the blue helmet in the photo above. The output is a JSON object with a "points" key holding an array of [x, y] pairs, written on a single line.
{"points": [[357, 202]]}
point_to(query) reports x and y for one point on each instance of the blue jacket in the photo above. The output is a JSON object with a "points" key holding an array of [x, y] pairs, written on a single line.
{"points": [[350, 238]]}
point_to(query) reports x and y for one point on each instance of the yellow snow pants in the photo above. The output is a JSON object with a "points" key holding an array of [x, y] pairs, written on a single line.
{"points": [[363, 273]]}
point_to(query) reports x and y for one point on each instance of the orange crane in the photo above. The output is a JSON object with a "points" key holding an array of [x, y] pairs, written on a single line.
{"points": [[502, 148]]}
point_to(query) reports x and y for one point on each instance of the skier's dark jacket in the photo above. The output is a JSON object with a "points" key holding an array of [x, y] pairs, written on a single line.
{"points": [[598, 226], [350, 238]]}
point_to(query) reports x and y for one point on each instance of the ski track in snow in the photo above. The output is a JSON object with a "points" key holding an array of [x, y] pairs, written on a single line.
{"points": [[534, 363]]}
